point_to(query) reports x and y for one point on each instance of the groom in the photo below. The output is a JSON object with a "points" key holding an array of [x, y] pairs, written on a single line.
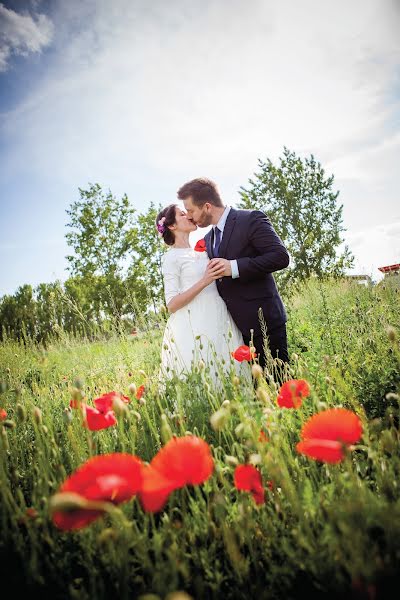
{"points": [[244, 251]]}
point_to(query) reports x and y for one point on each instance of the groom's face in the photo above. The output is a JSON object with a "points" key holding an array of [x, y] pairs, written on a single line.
{"points": [[200, 215]]}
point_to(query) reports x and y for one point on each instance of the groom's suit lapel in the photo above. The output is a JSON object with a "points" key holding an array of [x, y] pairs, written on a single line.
{"points": [[229, 226], [209, 239]]}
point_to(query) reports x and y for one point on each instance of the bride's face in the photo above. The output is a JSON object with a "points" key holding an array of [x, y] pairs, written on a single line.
{"points": [[182, 223]]}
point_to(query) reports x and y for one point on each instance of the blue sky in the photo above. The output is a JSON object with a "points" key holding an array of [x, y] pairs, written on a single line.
{"points": [[142, 96]]}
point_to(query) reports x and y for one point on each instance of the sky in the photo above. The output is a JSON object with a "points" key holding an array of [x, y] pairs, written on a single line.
{"points": [[142, 96]]}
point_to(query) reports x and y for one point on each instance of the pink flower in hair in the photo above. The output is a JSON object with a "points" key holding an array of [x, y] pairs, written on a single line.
{"points": [[161, 225]]}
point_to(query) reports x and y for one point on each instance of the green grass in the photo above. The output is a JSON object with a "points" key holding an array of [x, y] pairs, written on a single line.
{"points": [[325, 530]]}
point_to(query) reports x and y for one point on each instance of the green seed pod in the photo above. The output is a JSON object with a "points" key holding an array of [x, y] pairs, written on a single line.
{"points": [[79, 383], [166, 431], [232, 461], [21, 412], [4, 438], [392, 333], [37, 415]]}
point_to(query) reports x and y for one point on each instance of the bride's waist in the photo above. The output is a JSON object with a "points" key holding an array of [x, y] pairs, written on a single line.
{"points": [[209, 290]]}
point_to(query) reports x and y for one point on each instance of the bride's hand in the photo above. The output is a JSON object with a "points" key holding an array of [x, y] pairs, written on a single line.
{"points": [[211, 274]]}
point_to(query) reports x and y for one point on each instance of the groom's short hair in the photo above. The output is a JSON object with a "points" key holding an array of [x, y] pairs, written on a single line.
{"points": [[201, 190]]}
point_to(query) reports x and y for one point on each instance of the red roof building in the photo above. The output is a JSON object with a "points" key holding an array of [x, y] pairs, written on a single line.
{"points": [[390, 269]]}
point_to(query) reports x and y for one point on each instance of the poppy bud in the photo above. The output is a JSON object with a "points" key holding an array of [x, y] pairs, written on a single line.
{"points": [[239, 429], [132, 389], [263, 395], [4, 436], [119, 407], [219, 418], [67, 415], [67, 502], [232, 461], [166, 431], [78, 383], [255, 459], [256, 371], [235, 380], [21, 412], [141, 372], [225, 403], [9, 423], [391, 332]]}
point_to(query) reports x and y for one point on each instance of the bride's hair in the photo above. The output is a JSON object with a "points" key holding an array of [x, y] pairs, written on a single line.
{"points": [[165, 218]]}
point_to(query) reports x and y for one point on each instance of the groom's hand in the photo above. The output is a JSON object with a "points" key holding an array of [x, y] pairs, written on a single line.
{"points": [[220, 267]]}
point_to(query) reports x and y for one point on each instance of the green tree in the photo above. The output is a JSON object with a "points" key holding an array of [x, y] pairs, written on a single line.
{"points": [[303, 209], [149, 249], [101, 235], [18, 316]]}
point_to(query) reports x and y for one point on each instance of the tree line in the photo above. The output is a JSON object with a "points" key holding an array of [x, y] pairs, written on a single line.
{"points": [[115, 277]]}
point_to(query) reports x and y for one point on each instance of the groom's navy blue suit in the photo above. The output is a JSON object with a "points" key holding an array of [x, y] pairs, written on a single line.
{"points": [[250, 239]]}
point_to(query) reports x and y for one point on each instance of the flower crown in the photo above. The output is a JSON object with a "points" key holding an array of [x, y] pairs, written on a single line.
{"points": [[161, 225]]}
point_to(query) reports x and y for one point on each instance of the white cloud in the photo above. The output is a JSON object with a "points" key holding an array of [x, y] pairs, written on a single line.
{"points": [[22, 34]]}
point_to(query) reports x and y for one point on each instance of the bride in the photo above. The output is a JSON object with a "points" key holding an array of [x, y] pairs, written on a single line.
{"points": [[200, 328]]}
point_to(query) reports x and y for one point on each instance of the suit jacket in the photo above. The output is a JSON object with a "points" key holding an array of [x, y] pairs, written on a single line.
{"points": [[250, 239]]}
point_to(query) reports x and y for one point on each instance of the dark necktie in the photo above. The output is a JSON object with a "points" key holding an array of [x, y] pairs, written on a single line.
{"points": [[217, 241]]}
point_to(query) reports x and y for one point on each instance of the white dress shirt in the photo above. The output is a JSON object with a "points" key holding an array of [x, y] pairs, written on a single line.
{"points": [[221, 227]]}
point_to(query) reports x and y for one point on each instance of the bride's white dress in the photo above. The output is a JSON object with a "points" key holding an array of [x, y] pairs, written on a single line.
{"points": [[201, 331]]}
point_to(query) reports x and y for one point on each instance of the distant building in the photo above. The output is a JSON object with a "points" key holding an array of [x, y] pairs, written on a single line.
{"points": [[390, 270], [361, 279]]}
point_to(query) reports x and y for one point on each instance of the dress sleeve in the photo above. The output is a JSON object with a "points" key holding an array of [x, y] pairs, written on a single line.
{"points": [[171, 273]]}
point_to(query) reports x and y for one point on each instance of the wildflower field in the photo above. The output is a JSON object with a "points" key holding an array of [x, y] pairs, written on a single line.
{"points": [[114, 486]]}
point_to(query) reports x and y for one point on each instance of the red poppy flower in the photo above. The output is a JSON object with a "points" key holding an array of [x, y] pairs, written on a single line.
{"points": [[200, 246], [326, 434], [184, 461], [337, 424], [328, 451], [292, 393], [243, 353], [140, 392], [248, 479], [3, 414], [108, 478], [96, 420], [155, 489], [105, 402]]}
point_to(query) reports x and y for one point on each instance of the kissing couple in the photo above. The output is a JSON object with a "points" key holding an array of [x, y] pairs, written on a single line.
{"points": [[216, 292]]}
